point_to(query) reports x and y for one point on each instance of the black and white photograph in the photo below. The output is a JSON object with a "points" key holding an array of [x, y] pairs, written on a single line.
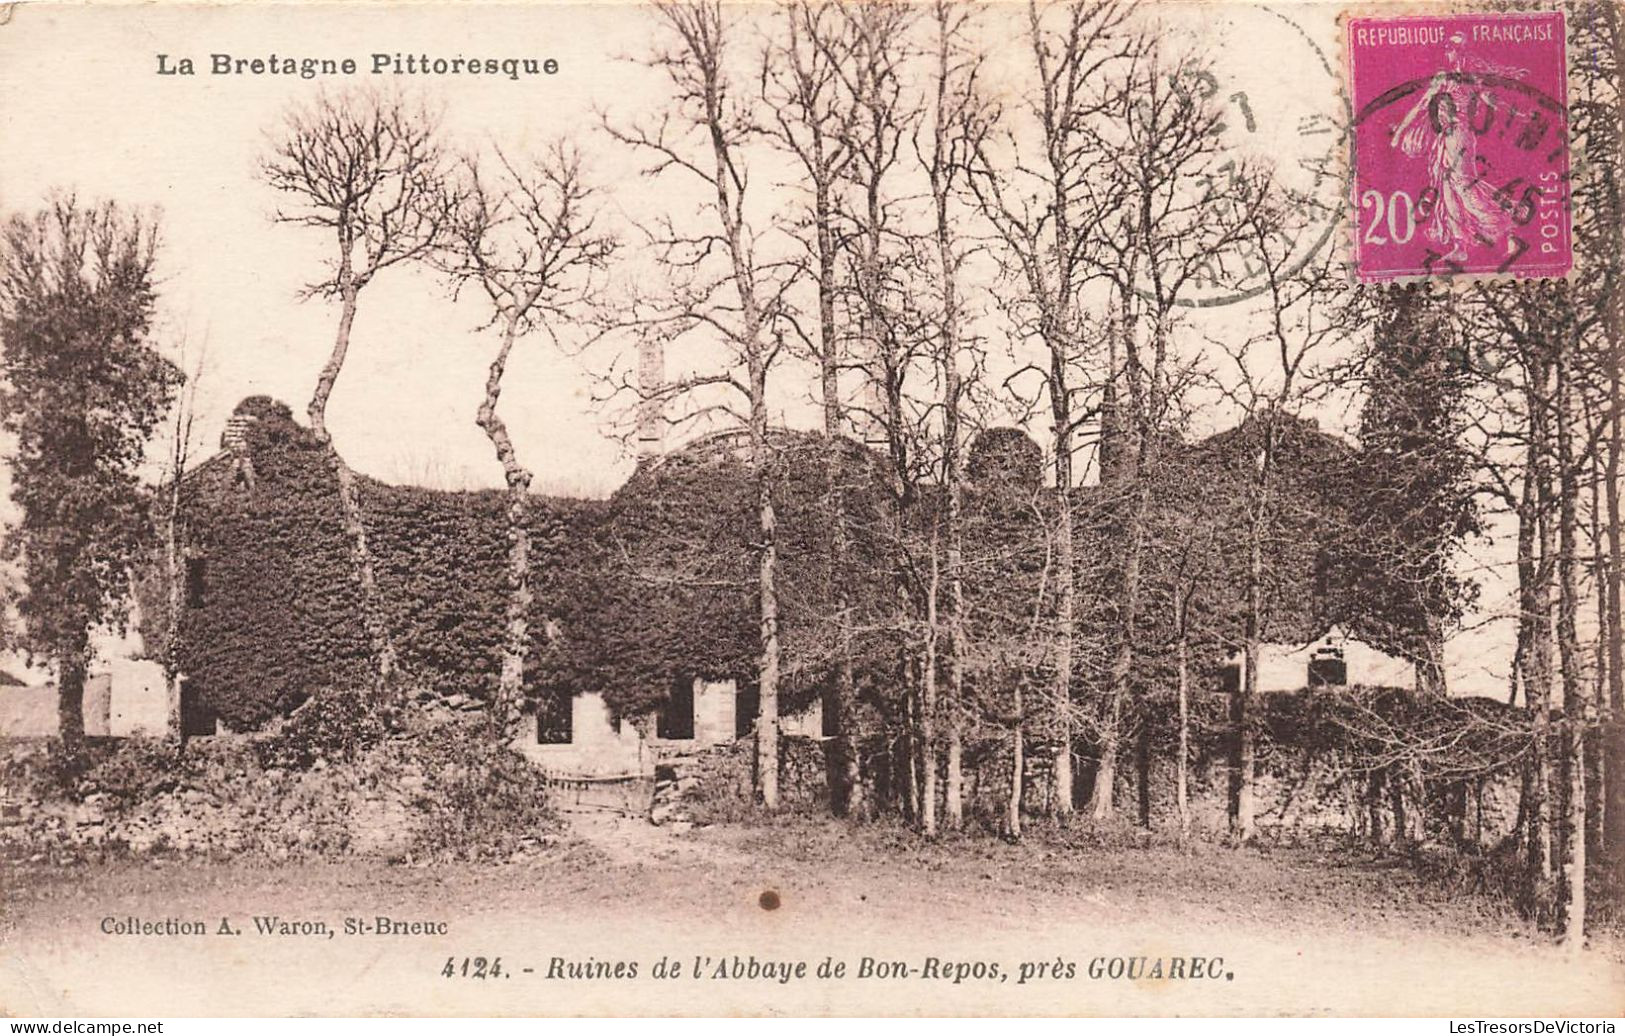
{"points": [[812, 508]]}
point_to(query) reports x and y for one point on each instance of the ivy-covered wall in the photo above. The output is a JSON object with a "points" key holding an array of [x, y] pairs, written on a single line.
{"points": [[674, 586], [271, 610], [659, 583]]}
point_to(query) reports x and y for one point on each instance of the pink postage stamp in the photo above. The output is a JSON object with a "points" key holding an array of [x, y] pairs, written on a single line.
{"points": [[1460, 146]]}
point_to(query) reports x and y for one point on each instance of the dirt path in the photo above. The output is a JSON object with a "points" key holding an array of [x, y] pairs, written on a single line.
{"points": [[1287, 932], [632, 841]]}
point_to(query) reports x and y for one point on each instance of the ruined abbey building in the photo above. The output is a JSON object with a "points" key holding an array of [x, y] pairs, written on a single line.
{"points": [[644, 607]]}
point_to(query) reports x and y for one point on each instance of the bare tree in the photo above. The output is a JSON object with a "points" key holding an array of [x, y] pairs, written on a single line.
{"points": [[366, 168], [1049, 210], [803, 85], [1533, 330], [526, 236], [1302, 317], [1189, 537], [1009, 642], [958, 121], [1577, 708], [178, 457], [1598, 112], [723, 288], [1184, 205], [884, 283]]}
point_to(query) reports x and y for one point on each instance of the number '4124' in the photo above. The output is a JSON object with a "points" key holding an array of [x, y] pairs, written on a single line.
{"points": [[472, 967]]}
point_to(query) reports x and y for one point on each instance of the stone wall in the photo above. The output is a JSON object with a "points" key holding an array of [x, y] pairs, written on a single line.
{"points": [[718, 783], [217, 797]]}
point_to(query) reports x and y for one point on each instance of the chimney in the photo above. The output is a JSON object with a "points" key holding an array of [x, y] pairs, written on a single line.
{"points": [[651, 380], [235, 440]]}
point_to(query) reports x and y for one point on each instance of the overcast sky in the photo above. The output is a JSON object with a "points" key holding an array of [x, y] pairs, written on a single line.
{"points": [[99, 119]]}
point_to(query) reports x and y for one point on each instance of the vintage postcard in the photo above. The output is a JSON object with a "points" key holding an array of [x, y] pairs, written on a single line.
{"points": [[949, 507]]}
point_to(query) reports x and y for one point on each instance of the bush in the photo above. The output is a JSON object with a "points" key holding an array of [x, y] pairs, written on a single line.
{"points": [[40, 774], [334, 724], [135, 770], [480, 800]]}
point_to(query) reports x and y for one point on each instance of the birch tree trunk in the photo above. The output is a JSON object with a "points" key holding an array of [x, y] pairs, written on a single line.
{"points": [[1242, 805], [1572, 903], [1614, 328], [355, 527], [850, 793], [505, 711], [953, 807], [1018, 763], [767, 726], [953, 469], [173, 726], [1065, 614], [1182, 677], [1538, 678], [928, 700]]}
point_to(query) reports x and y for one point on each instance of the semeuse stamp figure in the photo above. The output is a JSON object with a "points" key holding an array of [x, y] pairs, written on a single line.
{"points": [[1460, 146]]}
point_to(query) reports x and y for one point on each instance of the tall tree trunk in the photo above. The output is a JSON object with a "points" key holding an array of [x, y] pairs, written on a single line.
{"points": [[848, 792], [953, 773], [928, 700], [954, 477], [767, 725], [1596, 729], [72, 666], [1122, 665], [1528, 524], [174, 560], [706, 44], [382, 646], [908, 745], [1061, 347], [848, 796], [505, 711], [889, 368], [1142, 771], [1614, 326], [1614, 813], [173, 572], [1242, 805], [1018, 764], [1182, 677], [1138, 470], [1538, 675], [1065, 620], [1572, 904]]}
